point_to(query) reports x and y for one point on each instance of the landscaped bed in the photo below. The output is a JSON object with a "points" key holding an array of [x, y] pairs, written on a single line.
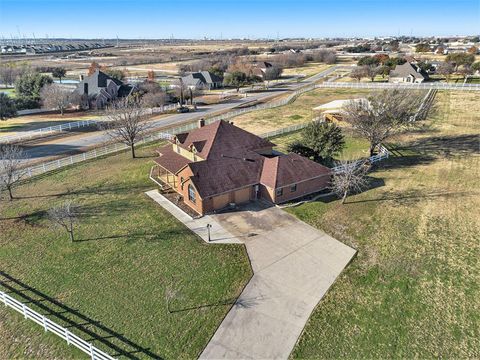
{"points": [[154, 288]]}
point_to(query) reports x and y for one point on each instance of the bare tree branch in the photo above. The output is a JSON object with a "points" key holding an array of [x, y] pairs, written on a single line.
{"points": [[64, 216], [350, 178], [382, 115], [124, 123], [11, 170], [56, 97]]}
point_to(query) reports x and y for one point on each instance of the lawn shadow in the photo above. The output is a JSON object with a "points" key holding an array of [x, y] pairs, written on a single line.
{"points": [[413, 196], [86, 327]]}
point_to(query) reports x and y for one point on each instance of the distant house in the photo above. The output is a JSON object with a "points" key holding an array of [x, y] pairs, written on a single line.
{"points": [[220, 164], [259, 68], [202, 80], [98, 89], [407, 73]]}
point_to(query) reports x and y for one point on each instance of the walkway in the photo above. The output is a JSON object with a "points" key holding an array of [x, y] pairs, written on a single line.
{"points": [[294, 265]]}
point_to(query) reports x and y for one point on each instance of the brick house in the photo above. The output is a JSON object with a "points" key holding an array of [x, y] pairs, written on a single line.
{"points": [[219, 164]]}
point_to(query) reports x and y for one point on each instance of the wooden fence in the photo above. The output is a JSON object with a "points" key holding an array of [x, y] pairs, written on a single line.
{"points": [[49, 325]]}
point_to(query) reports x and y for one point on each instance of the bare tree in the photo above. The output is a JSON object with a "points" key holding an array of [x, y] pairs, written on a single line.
{"points": [[351, 177], [358, 73], [11, 171], [124, 123], [64, 216], [371, 71], [57, 97], [446, 69], [154, 99], [382, 114]]}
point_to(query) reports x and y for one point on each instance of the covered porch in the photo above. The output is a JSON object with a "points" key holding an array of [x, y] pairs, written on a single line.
{"points": [[164, 178]]}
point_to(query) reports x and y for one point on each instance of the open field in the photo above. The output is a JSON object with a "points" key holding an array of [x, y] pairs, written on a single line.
{"points": [[129, 258], [299, 111], [413, 290], [38, 121], [309, 69]]}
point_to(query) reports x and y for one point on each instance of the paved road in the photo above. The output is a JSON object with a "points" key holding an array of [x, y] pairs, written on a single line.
{"points": [[36, 151]]}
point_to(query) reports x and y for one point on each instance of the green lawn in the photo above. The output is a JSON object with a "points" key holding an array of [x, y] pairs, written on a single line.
{"points": [[9, 91], [413, 291], [355, 147], [130, 255]]}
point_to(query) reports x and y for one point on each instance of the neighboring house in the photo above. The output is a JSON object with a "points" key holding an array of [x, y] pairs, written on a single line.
{"points": [[98, 89], [202, 80], [259, 68], [220, 164], [407, 73]]}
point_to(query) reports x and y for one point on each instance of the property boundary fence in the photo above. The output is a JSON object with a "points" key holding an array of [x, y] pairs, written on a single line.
{"points": [[167, 134], [411, 86], [49, 325], [47, 130], [73, 125]]}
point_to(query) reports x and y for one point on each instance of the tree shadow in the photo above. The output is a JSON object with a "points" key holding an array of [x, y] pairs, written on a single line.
{"points": [[86, 327], [413, 196]]}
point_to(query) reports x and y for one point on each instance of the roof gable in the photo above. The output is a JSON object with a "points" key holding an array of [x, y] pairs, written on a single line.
{"points": [[221, 138]]}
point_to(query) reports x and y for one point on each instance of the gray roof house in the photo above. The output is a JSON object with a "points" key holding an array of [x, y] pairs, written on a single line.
{"points": [[407, 73], [202, 80], [99, 88]]}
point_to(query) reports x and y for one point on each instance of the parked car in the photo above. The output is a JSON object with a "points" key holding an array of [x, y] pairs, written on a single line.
{"points": [[183, 109]]}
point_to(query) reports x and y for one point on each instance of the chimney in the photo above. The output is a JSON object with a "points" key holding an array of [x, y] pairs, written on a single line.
{"points": [[201, 123]]}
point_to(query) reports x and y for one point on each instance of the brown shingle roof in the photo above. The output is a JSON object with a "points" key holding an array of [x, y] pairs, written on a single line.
{"points": [[220, 175], [170, 160], [221, 137], [290, 169]]}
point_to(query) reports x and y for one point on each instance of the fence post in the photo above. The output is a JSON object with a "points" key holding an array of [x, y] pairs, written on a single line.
{"points": [[24, 311], [92, 354], [44, 320], [4, 296], [67, 337]]}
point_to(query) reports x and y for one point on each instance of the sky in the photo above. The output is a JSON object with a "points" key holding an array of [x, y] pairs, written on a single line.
{"points": [[150, 19]]}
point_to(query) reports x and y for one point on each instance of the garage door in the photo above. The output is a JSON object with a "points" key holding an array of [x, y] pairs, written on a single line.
{"points": [[242, 196], [221, 201]]}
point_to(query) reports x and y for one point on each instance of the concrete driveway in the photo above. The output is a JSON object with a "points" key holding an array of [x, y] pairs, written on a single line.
{"points": [[294, 264]]}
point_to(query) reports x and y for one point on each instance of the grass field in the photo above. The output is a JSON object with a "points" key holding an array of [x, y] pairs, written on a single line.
{"points": [[130, 255], [413, 291], [33, 122], [355, 147], [309, 69], [299, 111]]}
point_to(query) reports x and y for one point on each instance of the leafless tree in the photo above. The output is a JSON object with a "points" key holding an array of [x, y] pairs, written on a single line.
{"points": [[446, 69], [64, 216], [358, 73], [382, 115], [11, 170], [57, 97], [350, 178], [124, 123], [154, 99], [371, 71]]}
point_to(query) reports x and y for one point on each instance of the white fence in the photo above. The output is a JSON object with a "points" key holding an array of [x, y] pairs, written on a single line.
{"points": [[382, 155], [49, 325], [386, 85], [47, 130]]}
